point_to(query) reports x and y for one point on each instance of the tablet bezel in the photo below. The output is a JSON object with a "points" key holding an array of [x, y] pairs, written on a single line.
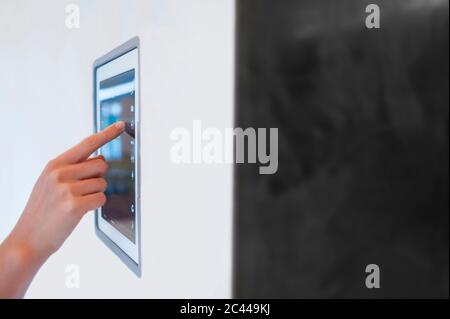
{"points": [[127, 47]]}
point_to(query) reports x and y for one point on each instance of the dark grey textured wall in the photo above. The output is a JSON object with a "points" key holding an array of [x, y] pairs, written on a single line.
{"points": [[363, 149]]}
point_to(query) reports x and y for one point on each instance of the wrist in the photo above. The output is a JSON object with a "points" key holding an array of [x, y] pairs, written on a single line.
{"points": [[22, 254], [18, 265]]}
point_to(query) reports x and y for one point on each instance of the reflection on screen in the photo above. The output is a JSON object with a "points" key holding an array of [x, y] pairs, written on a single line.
{"points": [[117, 100]]}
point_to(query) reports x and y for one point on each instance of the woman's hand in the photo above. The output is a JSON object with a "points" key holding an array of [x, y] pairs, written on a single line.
{"points": [[70, 185]]}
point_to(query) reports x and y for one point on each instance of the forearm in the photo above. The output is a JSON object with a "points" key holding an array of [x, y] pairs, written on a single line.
{"points": [[18, 265]]}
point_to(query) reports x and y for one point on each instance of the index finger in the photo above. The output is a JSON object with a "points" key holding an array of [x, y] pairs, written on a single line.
{"points": [[89, 145]]}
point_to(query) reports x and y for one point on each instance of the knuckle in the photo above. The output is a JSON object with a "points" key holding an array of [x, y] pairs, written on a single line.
{"points": [[51, 165], [101, 199], [103, 166], [65, 190], [72, 205], [91, 140], [56, 175], [103, 184], [70, 190], [98, 200]]}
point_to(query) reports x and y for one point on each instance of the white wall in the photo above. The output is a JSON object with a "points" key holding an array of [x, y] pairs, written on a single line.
{"points": [[187, 50]]}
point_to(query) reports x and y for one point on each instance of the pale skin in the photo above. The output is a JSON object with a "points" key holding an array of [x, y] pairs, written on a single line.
{"points": [[69, 186]]}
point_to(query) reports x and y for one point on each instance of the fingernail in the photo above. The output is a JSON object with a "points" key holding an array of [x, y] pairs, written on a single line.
{"points": [[120, 125]]}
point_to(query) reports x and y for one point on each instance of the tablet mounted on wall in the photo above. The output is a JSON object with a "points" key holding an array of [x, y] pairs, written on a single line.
{"points": [[117, 98]]}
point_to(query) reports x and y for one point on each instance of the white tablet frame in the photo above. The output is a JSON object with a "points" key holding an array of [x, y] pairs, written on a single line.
{"points": [[123, 58]]}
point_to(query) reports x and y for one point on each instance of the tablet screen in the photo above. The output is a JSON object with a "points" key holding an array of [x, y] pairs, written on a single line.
{"points": [[117, 102], [116, 98]]}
